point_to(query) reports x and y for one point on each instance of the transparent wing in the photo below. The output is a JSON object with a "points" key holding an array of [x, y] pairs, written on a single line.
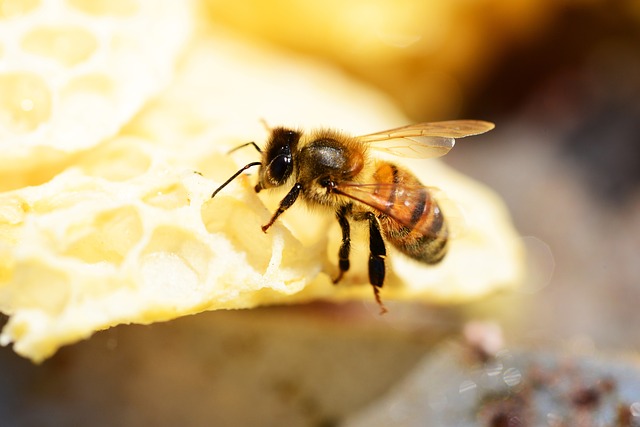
{"points": [[424, 140]]}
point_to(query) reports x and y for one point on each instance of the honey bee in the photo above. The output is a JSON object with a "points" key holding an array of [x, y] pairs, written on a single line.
{"points": [[330, 169]]}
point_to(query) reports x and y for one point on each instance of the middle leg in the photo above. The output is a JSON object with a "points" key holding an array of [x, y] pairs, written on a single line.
{"points": [[345, 247]]}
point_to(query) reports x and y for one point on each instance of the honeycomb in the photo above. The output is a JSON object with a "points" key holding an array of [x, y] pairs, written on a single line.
{"points": [[73, 72], [123, 229]]}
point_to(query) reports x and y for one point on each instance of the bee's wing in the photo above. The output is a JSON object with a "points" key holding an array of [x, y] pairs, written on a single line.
{"points": [[397, 201], [424, 140]]}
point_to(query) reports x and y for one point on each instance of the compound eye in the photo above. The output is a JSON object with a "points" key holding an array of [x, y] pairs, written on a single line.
{"points": [[280, 169]]}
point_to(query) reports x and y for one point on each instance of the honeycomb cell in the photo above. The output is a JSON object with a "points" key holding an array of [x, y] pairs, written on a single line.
{"points": [[171, 197], [117, 160], [25, 102], [100, 84], [108, 238], [36, 285], [68, 197], [12, 214], [106, 7], [187, 256], [69, 46], [15, 8], [241, 225], [12, 210]]}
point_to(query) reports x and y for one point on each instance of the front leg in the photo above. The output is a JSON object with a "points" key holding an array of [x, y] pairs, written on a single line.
{"points": [[345, 246], [285, 204]]}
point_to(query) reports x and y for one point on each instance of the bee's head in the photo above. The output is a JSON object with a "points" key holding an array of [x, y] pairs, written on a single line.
{"points": [[277, 158]]}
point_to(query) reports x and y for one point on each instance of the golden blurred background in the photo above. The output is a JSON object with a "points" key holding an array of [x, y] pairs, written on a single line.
{"points": [[442, 59], [431, 57]]}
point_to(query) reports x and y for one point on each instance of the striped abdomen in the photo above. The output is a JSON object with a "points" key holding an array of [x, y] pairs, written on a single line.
{"points": [[410, 218]]}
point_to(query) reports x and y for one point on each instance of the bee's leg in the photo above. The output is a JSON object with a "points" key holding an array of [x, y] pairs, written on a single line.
{"points": [[285, 204], [377, 254], [345, 246]]}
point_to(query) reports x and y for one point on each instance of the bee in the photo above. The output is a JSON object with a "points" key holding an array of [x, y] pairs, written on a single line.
{"points": [[330, 169]]}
